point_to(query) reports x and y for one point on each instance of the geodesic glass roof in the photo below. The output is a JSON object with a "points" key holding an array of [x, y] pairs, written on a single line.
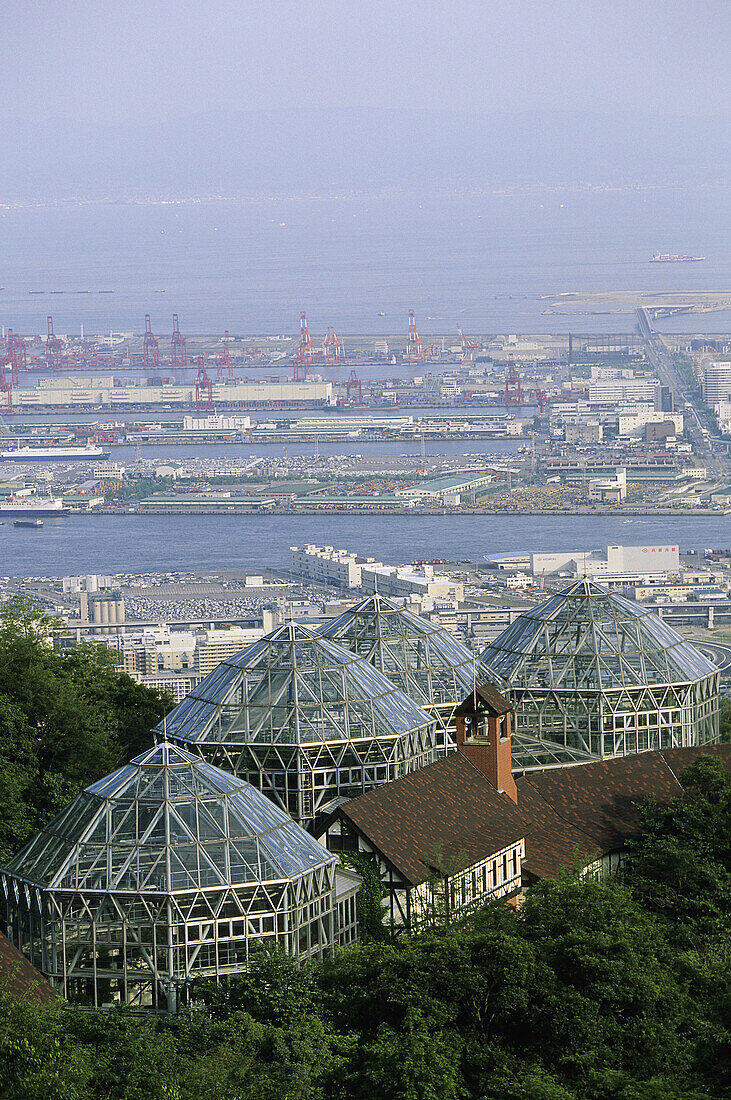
{"points": [[293, 687], [587, 638], [167, 821], [533, 754], [425, 660]]}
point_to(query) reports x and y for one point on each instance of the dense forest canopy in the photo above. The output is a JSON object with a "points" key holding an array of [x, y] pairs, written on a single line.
{"points": [[611, 990], [67, 718]]}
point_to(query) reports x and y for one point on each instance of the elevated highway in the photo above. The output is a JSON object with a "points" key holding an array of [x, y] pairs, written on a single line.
{"points": [[713, 452]]}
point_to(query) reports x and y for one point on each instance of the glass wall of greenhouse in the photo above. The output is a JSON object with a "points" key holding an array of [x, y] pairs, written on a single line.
{"points": [[596, 672], [166, 870], [304, 720], [429, 664]]}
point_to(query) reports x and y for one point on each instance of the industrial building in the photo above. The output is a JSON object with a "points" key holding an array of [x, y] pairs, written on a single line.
{"points": [[327, 566], [611, 391], [618, 563], [304, 720], [593, 671], [104, 393], [167, 870], [405, 583], [447, 490], [609, 490]]}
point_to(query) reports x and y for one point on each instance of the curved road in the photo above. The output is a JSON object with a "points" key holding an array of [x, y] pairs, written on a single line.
{"points": [[717, 652]]}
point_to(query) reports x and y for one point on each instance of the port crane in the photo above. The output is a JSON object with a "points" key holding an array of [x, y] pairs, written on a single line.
{"points": [[302, 361], [178, 355], [469, 347], [334, 350], [516, 395], [513, 387], [224, 361], [414, 350], [203, 387], [16, 357], [6, 385], [150, 347], [53, 347], [353, 390]]}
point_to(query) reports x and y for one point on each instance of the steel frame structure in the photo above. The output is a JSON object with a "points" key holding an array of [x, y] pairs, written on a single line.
{"points": [[166, 870], [54, 358], [178, 352], [595, 672], [304, 721], [150, 346], [431, 666]]}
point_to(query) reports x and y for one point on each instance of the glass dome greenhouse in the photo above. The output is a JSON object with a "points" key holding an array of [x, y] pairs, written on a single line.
{"points": [[303, 720], [431, 666], [166, 870], [596, 672]]}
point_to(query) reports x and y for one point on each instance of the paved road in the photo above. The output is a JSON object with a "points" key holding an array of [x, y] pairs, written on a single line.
{"points": [[713, 451], [718, 653]]}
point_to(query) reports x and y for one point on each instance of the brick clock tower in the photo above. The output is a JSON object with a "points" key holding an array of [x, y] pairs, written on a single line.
{"points": [[484, 730]]}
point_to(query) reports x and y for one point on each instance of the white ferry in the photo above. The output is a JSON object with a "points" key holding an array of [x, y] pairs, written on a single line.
{"points": [[33, 506], [673, 258], [53, 454]]}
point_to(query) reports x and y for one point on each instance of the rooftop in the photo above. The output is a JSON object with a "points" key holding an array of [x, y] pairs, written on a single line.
{"points": [[443, 817], [166, 822], [293, 686], [587, 638]]}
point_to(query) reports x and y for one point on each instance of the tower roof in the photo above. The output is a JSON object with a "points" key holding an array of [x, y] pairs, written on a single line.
{"points": [[587, 638], [295, 687], [424, 659], [166, 822]]}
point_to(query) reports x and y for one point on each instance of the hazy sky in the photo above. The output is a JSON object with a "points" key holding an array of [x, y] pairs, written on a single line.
{"points": [[112, 61]]}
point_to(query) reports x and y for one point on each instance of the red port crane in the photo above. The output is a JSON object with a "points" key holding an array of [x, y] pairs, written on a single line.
{"points": [[6, 385], [225, 363], [353, 390], [414, 350], [178, 356], [16, 356], [203, 387], [303, 359], [150, 346], [513, 388], [541, 399], [469, 347], [53, 348], [334, 350]]}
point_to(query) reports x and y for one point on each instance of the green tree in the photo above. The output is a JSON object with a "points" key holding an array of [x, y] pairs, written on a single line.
{"points": [[680, 866], [725, 718], [67, 718]]}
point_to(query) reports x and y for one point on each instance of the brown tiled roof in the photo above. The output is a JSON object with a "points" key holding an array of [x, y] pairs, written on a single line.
{"points": [[592, 809], [445, 816], [19, 977]]}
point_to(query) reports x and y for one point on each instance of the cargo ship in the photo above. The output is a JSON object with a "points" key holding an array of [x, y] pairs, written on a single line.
{"points": [[53, 454], [32, 507], [673, 258]]}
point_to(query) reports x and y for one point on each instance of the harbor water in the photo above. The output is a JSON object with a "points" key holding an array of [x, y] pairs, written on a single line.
{"points": [[360, 261], [132, 543]]}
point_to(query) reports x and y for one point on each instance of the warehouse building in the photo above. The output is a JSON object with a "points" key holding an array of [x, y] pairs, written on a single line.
{"points": [[103, 393]]}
